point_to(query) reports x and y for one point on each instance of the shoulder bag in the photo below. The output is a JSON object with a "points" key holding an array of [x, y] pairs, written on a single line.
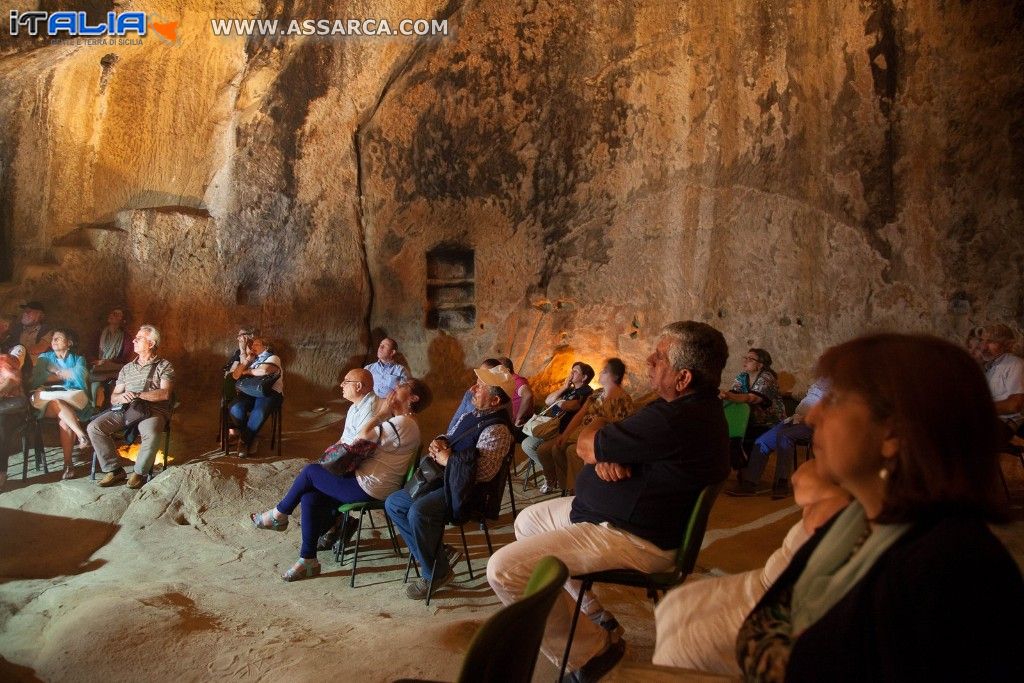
{"points": [[140, 409], [429, 476], [543, 425], [343, 459], [257, 386]]}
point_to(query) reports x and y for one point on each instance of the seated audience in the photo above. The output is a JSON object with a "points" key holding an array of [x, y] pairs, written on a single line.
{"points": [[633, 498], [758, 385], [62, 368], [522, 398], [697, 622], [782, 440], [466, 406], [243, 344], [567, 400], [13, 409], [149, 379], [907, 582], [386, 371], [1005, 374], [610, 403], [33, 333], [471, 453], [974, 344], [113, 348], [357, 388], [9, 343], [320, 491], [248, 413]]}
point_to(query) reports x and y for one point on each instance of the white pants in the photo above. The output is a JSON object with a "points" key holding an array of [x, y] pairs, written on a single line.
{"points": [[545, 529], [697, 623]]}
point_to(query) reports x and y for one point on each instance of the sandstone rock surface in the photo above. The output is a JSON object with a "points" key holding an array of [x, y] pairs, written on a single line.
{"points": [[793, 174]]}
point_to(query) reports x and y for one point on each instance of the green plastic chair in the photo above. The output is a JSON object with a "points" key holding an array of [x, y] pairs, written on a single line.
{"points": [[363, 508], [505, 647], [737, 416], [658, 582]]}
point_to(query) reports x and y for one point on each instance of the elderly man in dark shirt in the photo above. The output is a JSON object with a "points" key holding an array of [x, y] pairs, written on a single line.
{"points": [[633, 498]]}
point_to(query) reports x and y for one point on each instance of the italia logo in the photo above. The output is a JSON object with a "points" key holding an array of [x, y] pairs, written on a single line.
{"points": [[77, 25]]}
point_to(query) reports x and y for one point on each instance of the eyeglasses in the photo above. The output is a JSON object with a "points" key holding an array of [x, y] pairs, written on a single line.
{"points": [[752, 359], [350, 381]]}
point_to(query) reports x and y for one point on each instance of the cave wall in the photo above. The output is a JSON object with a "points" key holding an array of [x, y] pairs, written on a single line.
{"points": [[792, 174]]}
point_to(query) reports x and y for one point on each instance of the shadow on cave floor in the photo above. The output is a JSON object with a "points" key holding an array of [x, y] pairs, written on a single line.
{"points": [[13, 673], [37, 546]]}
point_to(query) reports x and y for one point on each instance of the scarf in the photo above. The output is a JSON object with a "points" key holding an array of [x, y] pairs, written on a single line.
{"points": [[838, 563]]}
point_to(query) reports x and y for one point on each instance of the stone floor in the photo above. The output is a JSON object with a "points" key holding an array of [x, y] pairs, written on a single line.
{"points": [[178, 570]]}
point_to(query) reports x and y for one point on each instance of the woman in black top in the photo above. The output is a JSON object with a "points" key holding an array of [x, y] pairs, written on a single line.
{"points": [[908, 582], [563, 402]]}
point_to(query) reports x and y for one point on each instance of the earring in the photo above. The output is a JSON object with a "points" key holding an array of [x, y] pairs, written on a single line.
{"points": [[886, 469]]}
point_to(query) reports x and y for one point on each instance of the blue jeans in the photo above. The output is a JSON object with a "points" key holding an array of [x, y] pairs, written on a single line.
{"points": [[421, 523], [781, 438], [249, 414], [320, 493]]}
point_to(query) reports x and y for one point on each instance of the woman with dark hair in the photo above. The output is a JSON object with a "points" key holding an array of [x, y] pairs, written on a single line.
{"points": [[63, 372], [522, 399], [563, 403], [319, 491], [908, 582], [610, 403], [248, 413], [113, 348], [758, 385]]}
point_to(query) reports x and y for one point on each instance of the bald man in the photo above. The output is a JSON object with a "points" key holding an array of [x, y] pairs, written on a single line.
{"points": [[358, 388]]}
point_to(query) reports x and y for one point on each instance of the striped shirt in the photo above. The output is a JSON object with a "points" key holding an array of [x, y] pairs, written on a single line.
{"points": [[133, 378]]}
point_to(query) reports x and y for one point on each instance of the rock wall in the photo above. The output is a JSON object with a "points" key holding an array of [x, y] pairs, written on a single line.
{"points": [[793, 174]]}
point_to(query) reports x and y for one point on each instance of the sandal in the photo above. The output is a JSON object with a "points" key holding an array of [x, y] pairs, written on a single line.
{"points": [[268, 520], [69, 473], [83, 444], [303, 569]]}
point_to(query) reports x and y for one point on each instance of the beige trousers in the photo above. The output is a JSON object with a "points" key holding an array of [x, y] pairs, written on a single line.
{"points": [[545, 529]]}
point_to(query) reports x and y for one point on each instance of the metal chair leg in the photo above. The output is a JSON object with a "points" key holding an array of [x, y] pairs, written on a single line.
{"points": [[584, 587], [394, 540], [355, 551], [339, 545], [465, 547], [511, 489], [487, 536]]}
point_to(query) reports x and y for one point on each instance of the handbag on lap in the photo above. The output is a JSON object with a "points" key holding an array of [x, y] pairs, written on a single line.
{"points": [[344, 459], [257, 386], [543, 425]]}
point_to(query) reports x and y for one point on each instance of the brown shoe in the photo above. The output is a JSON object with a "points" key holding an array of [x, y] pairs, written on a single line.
{"points": [[113, 478], [135, 480]]}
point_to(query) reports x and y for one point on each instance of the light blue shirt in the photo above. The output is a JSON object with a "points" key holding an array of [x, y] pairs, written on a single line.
{"points": [[815, 393], [386, 376], [358, 414]]}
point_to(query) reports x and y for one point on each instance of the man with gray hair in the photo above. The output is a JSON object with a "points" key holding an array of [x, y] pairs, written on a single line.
{"points": [[149, 380], [641, 479], [1005, 374]]}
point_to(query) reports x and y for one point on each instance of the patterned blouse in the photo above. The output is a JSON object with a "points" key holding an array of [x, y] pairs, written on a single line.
{"points": [[770, 409], [766, 639], [599, 405]]}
